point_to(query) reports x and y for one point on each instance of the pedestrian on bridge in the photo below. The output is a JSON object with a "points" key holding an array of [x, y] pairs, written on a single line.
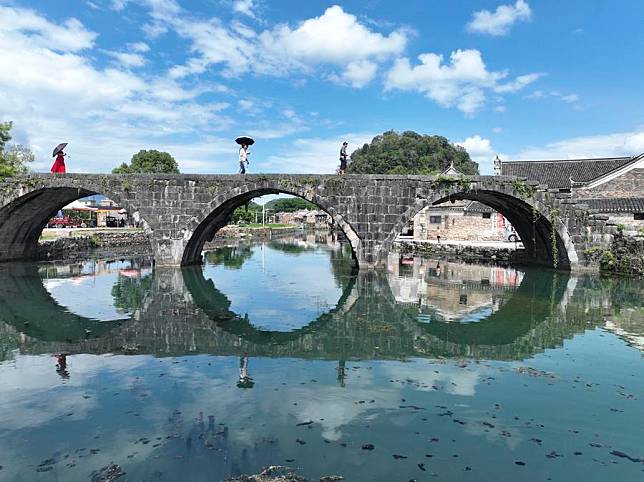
{"points": [[343, 157], [245, 142], [59, 163]]}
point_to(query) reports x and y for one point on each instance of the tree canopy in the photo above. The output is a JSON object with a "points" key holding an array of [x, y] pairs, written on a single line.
{"points": [[246, 213], [289, 205], [151, 162], [409, 153], [13, 159]]}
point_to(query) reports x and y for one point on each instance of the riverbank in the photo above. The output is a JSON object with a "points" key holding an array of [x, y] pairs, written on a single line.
{"points": [[72, 244], [257, 231], [479, 252], [57, 244], [625, 257]]}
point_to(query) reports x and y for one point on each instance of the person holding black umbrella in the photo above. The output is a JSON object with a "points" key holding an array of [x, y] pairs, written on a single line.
{"points": [[244, 142], [59, 163]]}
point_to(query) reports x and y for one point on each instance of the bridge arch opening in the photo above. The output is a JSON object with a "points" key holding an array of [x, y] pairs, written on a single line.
{"points": [[24, 218], [544, 237], [224, 206]]}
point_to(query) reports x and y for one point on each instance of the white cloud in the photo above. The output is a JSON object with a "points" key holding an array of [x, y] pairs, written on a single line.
{"points": [[128, 59], [245, 7], [501, 108], [497, 130], [460, 83], [70, 36], [335, 37], [319, 155], [602, 145], [517, 84], [138, 47], [571, 98], [154, 29], [319, 43], [567, 98], [480, 150], [107, 114], [357, 74], [500, 21]]}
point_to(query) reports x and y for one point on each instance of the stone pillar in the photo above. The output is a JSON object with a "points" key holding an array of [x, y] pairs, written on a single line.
{"points": [[168, 250]]}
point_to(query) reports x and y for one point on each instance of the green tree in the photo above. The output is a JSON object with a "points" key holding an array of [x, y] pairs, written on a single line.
{"points": [[246, 213], [151, 162], [409, 153], [13, 159]]}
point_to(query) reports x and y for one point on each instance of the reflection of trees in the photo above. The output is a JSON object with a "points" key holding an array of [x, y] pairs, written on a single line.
{"points": [[129, 293], [229, 256], [290, 248]]}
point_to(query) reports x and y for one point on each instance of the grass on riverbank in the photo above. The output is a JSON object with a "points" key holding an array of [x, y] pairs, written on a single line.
{"points": [[272, 226]]}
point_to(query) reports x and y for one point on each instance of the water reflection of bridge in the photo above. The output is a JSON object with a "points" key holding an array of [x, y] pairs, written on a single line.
{"points": [[184, 313]]}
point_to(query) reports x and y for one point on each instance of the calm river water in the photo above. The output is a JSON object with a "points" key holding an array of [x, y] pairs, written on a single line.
{"points": [[281, 354]]}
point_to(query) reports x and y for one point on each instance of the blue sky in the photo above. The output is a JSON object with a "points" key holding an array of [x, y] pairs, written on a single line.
{"points": [[524, 79]]}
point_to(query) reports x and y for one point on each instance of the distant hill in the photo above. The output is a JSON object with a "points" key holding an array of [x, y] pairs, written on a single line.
{"points": [[409, 153]]}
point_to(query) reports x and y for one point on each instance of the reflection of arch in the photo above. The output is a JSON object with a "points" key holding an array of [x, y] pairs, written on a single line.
{"points": [[216, 305], [221, 208], [27, 305], [531, 219], [26, 212], [368, 324]]}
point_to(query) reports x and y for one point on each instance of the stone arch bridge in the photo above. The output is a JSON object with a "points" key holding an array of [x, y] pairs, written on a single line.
{"points": [[181, 212]]}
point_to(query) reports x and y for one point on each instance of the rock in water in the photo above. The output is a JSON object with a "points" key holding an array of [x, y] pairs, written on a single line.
{"points": [[109, 473]]}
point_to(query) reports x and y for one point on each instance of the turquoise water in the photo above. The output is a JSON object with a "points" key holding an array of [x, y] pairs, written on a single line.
{"points": [[282, 354]]}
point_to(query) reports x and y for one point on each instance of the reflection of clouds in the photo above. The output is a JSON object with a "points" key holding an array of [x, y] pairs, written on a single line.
{"points": [[270, 288], [32, 393], [89, 297], [450, 378]]}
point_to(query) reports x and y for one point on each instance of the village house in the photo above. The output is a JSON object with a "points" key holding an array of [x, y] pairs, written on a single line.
{"points": [[612, 186], [304, 217]]}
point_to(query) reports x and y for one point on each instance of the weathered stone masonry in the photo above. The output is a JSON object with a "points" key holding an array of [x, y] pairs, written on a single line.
{"points": [[181, 212]]}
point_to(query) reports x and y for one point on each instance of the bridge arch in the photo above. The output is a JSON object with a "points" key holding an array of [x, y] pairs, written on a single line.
{"points": [[26, 209], [219, 211], [545, 237]]}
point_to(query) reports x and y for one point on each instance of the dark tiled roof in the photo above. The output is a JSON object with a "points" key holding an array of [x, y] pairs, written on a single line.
{"points": [[557, 174], [477, 207], [615, 205]]}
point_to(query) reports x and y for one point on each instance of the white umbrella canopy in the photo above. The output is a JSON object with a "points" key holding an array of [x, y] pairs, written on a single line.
{"points": [[79, 206]]}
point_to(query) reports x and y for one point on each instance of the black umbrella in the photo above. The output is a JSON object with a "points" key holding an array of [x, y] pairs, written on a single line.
{"points": [[59, 148], [245, 140]]}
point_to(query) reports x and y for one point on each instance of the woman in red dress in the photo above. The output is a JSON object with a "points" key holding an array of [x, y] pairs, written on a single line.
{"points": [[59, 163]]}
